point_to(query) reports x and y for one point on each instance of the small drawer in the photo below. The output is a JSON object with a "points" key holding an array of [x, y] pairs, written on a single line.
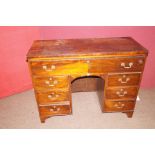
{"points": [[55, 110], [52, 82], [47, 68], [123, 80], [52, 96], [121, 93], [118, 106], [116, 65]]}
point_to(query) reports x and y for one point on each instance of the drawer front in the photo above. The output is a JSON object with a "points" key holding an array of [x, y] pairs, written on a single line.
{"points": [[52, 96], [116, 65], [123, 79], [53, 82], [55, 110], [47, 68], [118, 106], [121, 93]]}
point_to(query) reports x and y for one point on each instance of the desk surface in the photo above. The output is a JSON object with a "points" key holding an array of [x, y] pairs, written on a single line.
{"points": [[85, 47]]}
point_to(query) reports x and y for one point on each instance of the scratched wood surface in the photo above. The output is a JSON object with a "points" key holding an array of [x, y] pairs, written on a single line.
{"points": [[81, 47]]}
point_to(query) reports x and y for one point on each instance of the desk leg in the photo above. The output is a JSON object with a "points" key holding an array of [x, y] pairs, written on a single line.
{"points": [[42, 119], [129, 114]]}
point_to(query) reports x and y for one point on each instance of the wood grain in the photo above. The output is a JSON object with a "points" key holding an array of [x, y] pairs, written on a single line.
{"points": [[85, 47]]}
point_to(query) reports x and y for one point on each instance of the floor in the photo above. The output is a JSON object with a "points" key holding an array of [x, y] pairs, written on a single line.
{"points": [[20, 111]]}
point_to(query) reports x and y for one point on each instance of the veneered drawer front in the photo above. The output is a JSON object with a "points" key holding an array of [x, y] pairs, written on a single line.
{"points": [[52, 82], [118, 106], [124, 79], [47, 68], [55, 110], [52, 96], [121, 92], [116, 65]]}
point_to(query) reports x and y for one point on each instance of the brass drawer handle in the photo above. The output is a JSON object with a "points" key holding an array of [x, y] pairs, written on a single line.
{"points": [[140, 61], [52, 95], [87, 61], [127, 66], [54, 109], [52, 67], [125, 79], [119, 106], [121, 93], [51, 85]]}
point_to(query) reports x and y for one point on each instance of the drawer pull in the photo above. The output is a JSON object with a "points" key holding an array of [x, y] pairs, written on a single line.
{"points": [[125, 79], [121, 93], [51, 85], [119, 105], [54, 109], [140, 61], [87, 61], [125, 66], [53, 95], [49, 69]]}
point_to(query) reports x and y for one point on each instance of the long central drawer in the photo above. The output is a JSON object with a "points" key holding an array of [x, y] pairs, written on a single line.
{"points": [[47, 68]]}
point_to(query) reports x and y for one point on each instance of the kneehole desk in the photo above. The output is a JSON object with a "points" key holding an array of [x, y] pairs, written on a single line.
{"points": [[113, 66]]}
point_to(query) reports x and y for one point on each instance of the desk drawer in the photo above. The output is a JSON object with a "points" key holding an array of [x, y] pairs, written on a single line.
{"points": [[52, 96], [55, 110], [118, 106], [47, 68], [116, 65], [52, 82], [123, 79], [121, 93]]}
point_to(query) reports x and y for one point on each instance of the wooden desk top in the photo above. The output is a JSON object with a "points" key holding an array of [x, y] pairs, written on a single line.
{"points": [[86, 47]]}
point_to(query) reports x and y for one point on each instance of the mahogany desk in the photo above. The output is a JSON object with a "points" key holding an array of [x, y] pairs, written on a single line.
{"points": [[115, 65]]}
